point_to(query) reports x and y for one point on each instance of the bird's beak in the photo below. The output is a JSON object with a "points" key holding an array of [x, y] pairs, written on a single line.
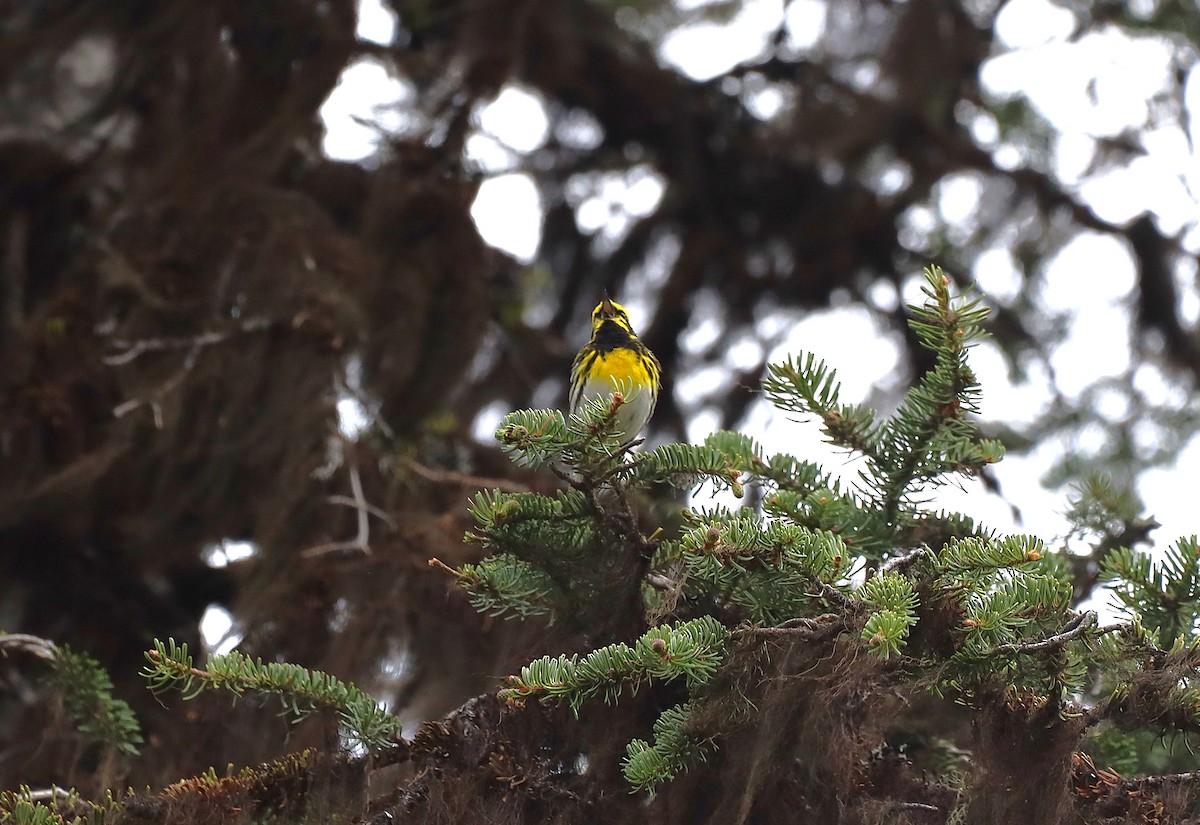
{"points": [[607, 310]]}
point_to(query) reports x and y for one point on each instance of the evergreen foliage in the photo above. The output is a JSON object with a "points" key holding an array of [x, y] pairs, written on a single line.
{"points": [[788, 563], [18, 809], [300, 691], [858, 589], [85, 692], [192, 287], [1165, 596], [893, 600], [504, 584], [1101, 508], [66, 807], [87, 699], [690, 650], [674, 751]]}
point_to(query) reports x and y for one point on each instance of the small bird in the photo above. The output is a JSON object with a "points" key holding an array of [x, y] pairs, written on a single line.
{"points": [[615, 360]]}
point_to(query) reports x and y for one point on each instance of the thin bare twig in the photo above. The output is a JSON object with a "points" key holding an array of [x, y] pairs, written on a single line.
{"points": [[800, 627], [131, 350], [377, 512], [362, 539], [47, 794], [445, 568], [660, 582], [450, 477], [193, 344], [124, 408], [1073, 629], [34, 645]]}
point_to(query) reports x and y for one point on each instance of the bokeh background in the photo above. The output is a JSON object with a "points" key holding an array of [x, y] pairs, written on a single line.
{"points": [[272, 271]]}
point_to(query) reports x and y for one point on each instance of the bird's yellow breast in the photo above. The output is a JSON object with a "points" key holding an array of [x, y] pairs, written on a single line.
{"points": [[622, 364]]}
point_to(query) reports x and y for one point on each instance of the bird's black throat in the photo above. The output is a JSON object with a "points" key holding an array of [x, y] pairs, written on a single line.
{"points": [[610, 336]]}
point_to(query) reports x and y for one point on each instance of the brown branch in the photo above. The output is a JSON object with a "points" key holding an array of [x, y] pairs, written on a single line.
{"points": [[1159, 779], [799, 627], [441, 565], [828, 591], [456, 479], [194, 344], [155, 656], [622, 519], [901, 563], [1073, 629]]}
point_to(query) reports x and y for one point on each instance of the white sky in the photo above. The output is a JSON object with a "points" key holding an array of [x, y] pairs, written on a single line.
{"points": [[1089, 89]]}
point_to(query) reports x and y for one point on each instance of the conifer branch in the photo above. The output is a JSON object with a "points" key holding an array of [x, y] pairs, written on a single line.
{"points": [[806, 628], [775, 570], [300, 691], [674, 751], [530, 523], [58, 806], [999, 608], [504, 584], [929, 435], [88, 701], [790, 474], [533, 438], [23, 808], [1163, 595], [690, 650], [685, 465], [975, 557], [1074, 629], [807, 385], [893, 600], [902, 564], [85, 690]]}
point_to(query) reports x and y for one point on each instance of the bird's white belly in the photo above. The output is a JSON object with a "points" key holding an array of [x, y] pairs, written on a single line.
{"points": [[633, 414]]}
